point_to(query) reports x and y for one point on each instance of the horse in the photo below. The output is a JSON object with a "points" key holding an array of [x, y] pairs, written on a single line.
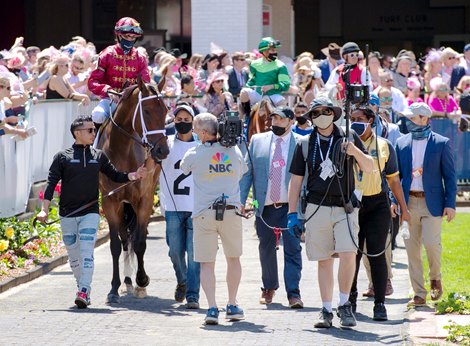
{"points": [[133, 136], [260, 120]]}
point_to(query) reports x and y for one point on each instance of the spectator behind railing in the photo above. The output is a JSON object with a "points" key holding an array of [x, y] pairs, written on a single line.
{"points": [[8, 120], [414, 89], [76, 76], [209, 65], [441, 102], [188, 90], [451, 71], [216, 99], [58, 87], [462, 87]]}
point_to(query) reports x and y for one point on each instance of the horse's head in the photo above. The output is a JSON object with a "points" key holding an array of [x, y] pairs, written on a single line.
{"points": [[148, 119]]}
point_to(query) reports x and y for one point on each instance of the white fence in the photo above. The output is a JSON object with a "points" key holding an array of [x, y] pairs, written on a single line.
{"points": [[23, 163]]}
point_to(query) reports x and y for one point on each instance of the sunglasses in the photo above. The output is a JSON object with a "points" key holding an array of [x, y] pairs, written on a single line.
{"points": [[316, 114], [386, 99], [77, 68], [389, 80], [353, 55], [63, 65], [443, 90], [240, 59], [219, 81], [89, 130], [5, 87], [452, 58]]}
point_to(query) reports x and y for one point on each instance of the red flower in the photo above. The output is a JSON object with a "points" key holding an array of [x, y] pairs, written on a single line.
{"points": [[41, 195], [58, 188]]}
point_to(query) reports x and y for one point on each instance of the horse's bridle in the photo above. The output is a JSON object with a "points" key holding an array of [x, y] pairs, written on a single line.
{"points": [[143, 140]]}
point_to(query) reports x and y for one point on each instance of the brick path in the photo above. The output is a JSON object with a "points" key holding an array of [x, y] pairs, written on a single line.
{"points": [[42, 311]]}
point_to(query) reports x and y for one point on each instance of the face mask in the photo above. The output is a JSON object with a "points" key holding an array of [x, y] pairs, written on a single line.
{"points": [[301, 120], [196, 138], [359, 128], [126, 45], [183, 128], [323, 121], [272, 56], [278, 131], [418, 132]]}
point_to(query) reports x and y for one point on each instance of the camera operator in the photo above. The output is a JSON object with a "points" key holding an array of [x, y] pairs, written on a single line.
{"points": [[357, 73], [333, 217], [374, 215], [216, 171]]}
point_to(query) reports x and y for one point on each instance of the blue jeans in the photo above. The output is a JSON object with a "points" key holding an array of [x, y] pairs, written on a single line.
{"points": [[268, 256], [179, 237], [79, 237]]}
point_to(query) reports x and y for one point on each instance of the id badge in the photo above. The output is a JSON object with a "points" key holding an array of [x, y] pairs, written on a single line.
{"points": [[417, 172]]}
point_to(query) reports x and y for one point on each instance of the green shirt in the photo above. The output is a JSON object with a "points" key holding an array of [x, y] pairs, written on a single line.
{"points": [[267, 73]]}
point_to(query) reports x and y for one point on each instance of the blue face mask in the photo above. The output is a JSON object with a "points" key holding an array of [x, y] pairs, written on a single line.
{"points": [[418, 132], [196, 138], [359, 128], [126, 45]]}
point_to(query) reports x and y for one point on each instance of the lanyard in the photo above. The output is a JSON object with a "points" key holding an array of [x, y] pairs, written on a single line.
{"points": [[319, 147]]}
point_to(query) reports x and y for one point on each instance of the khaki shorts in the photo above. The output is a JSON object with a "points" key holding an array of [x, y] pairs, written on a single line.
{"points": [[327, 232], [206, 235]]}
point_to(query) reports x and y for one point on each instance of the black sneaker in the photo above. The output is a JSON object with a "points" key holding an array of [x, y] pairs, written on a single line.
{"points": [[180, 292], [380, 312], [346, 316], [353, 300], [325, 319]]}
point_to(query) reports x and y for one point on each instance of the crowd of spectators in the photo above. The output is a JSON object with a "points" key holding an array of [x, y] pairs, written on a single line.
{"points": [[213, 82]]}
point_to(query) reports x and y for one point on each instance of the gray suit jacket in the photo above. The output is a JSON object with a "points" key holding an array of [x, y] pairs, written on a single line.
{"points": [[259, 150]]}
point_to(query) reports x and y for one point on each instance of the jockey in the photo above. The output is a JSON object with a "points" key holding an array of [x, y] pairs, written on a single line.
{"points": [[268, 76], [350, 54], [117, 65]]}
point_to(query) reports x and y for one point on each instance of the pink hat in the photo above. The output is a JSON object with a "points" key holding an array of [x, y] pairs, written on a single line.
{"points": [[216, 75], [413, 83], [16, 61]]}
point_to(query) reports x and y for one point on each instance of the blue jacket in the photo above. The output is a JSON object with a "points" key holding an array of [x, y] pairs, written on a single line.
{"points": [[325, 70], [439, 178], [259, 150]]}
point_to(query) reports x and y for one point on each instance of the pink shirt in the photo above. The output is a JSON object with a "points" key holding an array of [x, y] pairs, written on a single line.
{"points": [[438, 105], [411, 101]]}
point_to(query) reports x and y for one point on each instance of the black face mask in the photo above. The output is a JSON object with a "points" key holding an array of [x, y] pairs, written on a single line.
{"points": [[301, 120], [272, 56], [183, 128], [126, 45], [278, 131]]}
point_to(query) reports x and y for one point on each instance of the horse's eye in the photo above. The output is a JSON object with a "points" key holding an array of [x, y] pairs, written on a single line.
{"points": [[147, 113]]}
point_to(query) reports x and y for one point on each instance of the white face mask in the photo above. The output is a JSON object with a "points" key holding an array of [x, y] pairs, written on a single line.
{"points": [[323, 121]]}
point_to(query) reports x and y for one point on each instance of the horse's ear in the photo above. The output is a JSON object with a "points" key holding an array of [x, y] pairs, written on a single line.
{"points": [[161, 84], [140, 82]]}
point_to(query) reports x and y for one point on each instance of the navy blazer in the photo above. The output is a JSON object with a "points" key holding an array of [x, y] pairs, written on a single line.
{"points": [[439, 178], [457, 73], [260, 151], [325, 70], [233, 82]]}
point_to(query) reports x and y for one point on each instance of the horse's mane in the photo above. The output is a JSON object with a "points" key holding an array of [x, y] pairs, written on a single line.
{"points": [[128, 91]]}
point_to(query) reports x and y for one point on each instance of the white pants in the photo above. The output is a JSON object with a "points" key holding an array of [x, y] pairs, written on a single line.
{"points": [[103, 111], [255, 97]]}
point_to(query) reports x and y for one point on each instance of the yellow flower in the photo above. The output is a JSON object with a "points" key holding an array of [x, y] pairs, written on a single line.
{"points": [[9, 232], [3, 245]]}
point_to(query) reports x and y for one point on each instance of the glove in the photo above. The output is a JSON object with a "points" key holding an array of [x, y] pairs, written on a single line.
{"points": [[294, 225]]}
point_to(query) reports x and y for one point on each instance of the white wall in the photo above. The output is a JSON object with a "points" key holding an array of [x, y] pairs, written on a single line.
{"points": [[231, 24]]}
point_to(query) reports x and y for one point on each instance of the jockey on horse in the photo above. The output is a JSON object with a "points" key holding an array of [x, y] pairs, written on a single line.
{"points": [[118, 67], [268, 76]]}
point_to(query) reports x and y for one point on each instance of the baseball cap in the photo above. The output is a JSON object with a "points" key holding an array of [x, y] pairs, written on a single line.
{"points": [[323, 102], [417, 108], [374, 100], [184, 108], [284, 112]]}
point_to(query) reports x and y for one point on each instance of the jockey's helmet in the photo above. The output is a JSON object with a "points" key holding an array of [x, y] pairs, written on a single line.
{"points": [[128, 25], [268, 42]]}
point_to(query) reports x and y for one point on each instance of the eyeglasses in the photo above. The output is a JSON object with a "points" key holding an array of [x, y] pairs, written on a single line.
{"points": [[5, 87], [353, 55], [386, 99], [90, 130], [445, 90], [240, 59], [219, 81], [327, 111]]}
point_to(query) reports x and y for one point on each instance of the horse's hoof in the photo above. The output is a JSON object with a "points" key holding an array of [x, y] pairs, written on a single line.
{"points": [[113, 299], [127, 289], [140, 292]]}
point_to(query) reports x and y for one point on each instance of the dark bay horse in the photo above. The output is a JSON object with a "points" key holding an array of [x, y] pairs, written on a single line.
{"points": [[135, 135], [260, 120]]}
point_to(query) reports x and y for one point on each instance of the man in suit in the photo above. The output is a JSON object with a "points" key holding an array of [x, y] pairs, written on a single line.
{"points": [[333, 59], [270, 156], [238, 76], [427, 173]]}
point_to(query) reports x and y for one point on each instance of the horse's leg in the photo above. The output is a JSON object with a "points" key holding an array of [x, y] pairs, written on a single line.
{"points": [[140, 244], [114, 215], [128, 270]]}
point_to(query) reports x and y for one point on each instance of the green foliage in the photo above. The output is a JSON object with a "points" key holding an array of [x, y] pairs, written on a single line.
{"points": [[458, 333], [454, 303]]}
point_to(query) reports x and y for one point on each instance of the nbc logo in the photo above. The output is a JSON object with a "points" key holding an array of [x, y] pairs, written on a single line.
{"points": [[220, 163]]}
